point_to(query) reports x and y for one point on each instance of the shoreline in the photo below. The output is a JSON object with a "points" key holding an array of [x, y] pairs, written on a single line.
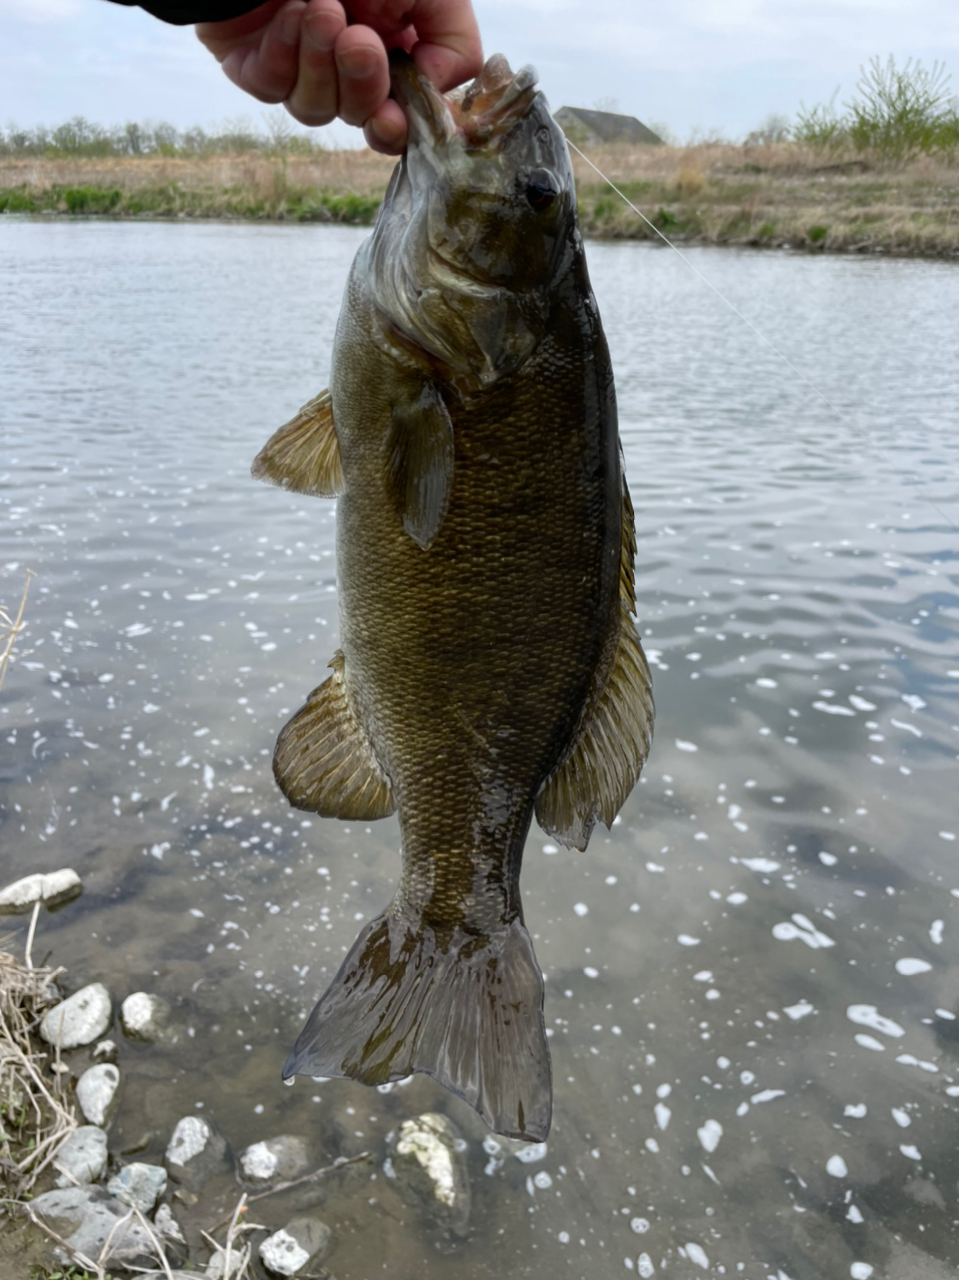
{"points": [[779, 196]]}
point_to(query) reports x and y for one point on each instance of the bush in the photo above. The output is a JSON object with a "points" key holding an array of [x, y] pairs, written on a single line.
{"points": [[899, 114]]}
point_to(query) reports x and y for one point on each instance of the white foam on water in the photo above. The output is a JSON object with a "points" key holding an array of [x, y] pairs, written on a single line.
{"points": [[802, 928], [644, 1266], [767, 1095], [901, 1118], [697, 1254], [686, 940], [860, 703], [909, 966], [836, 1167], [737, 899], [686, 746], [652, 1145], [663, 1114], [935, 931], [855, 1109], [827, 859], [763, 865], [909, 1060], [911, 1152], [797, 1011], [709, 1135], [854, 1214], [867, 1015], [860, 1271], [869, 1042], [639, 1225], [833, 709], [580, 908]]}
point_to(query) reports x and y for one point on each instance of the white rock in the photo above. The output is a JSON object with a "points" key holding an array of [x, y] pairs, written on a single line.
{"points": [[195, 1150], [428, 1163], [83, 1157], [80, 1019], [51, 889], [190, 1138], [143, 1016], [88, 1217], [139, 1184], [276, 1159], [290, 1249], [105, 1051], [167, 1225], [96, 1090], [282, 1255]]}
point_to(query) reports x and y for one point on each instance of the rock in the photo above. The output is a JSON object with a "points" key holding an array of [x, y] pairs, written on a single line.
{"points": [[83, 1157], [194, 1151], [52, 889], [289, 1250], [275, 1160], [96, 1091], [167, 1226], [139, 1184], [428, 1163], [80, 1019], [143, 1016], [105, 1051], [85, 1217]]}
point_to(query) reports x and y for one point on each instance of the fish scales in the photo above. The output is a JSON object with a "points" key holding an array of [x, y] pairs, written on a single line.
{"points": [[489, 664]]}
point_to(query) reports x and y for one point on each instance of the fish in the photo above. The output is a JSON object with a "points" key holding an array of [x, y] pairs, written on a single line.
{"points": [[489, 666]]}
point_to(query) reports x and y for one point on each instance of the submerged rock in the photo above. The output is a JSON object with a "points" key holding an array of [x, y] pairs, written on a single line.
{"points": [[105, 1051], [427, 1161], [143, 1016], [52, 889], [288, 1250], [96, 1092], [167, 1226], [83, 1156], [194, 1151], [85, 1217], [139, 1184], [80, 1019], [275, 1160]]}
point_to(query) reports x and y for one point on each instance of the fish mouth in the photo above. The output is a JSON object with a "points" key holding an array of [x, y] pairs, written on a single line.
{"points": [[479, 115]]}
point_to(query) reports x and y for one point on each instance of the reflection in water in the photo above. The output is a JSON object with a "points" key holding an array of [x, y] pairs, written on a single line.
{"points": [[750, 980]]}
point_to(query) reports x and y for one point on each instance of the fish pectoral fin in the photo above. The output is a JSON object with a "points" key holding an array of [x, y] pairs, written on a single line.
{"points": [[465, 1009], [324, 762], [420, 464], [304, 455], [606, 757]]}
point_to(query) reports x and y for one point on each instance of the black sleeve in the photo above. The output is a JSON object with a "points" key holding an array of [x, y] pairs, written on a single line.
{"points": [[185, 13]]}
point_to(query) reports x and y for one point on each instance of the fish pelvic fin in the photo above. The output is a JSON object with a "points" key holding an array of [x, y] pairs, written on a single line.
{"points": [[304, 455], [324, 761], [608, 753], [465, 1009]]}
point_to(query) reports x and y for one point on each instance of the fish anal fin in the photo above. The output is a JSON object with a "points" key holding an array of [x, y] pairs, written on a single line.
{"points": [[420, 464], [304, 455], [465, 1009], [323, 761], [607, 755]]}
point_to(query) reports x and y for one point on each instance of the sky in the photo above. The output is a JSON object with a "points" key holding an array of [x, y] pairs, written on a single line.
{"points": [[713, 66]]}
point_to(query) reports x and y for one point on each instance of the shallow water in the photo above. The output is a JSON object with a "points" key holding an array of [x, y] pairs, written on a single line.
{"points": [[751, 981]]}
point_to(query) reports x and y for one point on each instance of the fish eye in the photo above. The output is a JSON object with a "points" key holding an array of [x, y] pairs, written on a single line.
{"points": [[540, 190]]}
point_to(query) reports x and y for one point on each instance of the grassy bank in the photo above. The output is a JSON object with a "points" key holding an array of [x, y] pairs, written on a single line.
{"points": [[770, 195]]}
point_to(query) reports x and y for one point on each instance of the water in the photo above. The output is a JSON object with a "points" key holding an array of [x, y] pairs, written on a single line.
{"points": [[753, 1075]]}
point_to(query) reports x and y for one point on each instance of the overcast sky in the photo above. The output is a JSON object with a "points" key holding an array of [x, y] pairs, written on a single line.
{"points": [[690, 64]]}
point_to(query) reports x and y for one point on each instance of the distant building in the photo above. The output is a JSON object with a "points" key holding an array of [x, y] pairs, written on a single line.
{"points": [[588, 128]]}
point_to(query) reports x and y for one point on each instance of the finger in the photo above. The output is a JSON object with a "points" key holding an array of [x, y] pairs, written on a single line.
{"points": [[386, 130], [363, 71], [315, 97], [268, 71], [449, 49], [222, 37]]}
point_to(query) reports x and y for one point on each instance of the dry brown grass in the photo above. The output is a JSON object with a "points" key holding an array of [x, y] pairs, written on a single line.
{"points": [[765, 195], [10, 627]]}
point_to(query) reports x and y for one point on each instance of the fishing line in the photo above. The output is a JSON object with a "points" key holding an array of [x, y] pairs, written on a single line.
{"points": [[847, 421]]}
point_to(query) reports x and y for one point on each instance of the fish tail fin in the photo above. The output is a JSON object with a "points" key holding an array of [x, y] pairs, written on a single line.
{"points": [[465, 1009]]}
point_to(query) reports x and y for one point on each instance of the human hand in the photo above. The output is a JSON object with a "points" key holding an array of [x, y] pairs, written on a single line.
{"points": [[324, 58]]}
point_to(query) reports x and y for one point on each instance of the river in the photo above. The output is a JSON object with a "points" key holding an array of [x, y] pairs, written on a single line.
{"points": [[751, 980]]}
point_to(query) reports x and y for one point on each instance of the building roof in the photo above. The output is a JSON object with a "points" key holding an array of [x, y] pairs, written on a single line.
{"points": [[604, 126]]}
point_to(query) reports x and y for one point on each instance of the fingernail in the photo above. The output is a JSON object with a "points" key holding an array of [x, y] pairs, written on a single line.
{"points": [[357, 64], [320, 33], [387, 134], [290, 26]]}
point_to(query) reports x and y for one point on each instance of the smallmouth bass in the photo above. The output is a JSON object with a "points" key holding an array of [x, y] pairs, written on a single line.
{"points": [[489, 666]]}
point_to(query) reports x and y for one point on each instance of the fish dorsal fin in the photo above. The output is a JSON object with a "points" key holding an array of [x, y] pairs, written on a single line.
{"points": [[420, 464], [610, 749], [324, 762], [304, 455]]}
